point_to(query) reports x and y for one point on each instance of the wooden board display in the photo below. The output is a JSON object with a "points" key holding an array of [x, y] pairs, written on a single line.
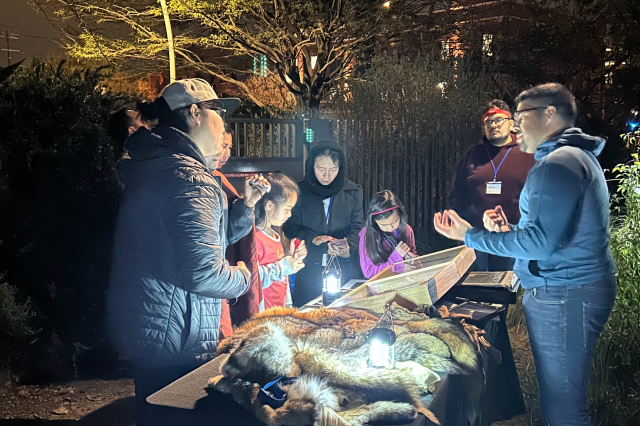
{"points": [[434, 274], [502, 279]]}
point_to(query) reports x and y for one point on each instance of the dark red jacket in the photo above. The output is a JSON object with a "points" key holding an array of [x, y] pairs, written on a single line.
{"points": [[247, 305], [468, 196]]}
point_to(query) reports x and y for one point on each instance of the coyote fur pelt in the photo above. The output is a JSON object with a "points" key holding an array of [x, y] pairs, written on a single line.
{"points": [[327, 350]]}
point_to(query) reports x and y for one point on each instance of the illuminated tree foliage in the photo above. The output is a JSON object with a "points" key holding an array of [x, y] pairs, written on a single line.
{"points": [[309, 45]]}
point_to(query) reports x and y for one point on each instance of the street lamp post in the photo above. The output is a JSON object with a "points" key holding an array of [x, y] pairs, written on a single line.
{"points": [[172, 55]]}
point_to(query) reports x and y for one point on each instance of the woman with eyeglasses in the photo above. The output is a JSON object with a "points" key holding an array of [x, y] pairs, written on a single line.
{"points": [[491, 174]]}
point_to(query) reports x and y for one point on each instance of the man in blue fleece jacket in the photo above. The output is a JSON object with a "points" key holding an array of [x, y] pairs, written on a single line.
{"points": [[561, 247]]}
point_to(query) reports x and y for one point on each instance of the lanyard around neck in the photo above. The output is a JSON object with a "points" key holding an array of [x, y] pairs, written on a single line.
{"points": [[495, 169]]}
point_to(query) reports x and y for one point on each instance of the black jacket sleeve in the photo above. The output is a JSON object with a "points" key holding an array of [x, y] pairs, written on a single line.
{"points": [[293, 227], [356, 223], [241, 219], [459, 198]]}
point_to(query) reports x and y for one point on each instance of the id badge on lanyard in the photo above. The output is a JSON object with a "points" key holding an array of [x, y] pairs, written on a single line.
{"points": [[325, 257], [494, 187]]}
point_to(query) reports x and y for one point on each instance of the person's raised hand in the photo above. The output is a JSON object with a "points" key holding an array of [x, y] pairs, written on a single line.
{"points": [[451, 225], [254, 189], [495, 220]]}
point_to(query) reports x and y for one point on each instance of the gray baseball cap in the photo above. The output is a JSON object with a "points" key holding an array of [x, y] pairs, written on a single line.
{"points": [[191, 91]]}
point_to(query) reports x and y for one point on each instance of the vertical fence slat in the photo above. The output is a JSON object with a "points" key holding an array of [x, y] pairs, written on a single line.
{"points": [[375, 178], [246, 140], [405, 171]]}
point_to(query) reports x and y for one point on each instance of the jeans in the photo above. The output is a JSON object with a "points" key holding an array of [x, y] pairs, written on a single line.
{"points": [[564, 324]]}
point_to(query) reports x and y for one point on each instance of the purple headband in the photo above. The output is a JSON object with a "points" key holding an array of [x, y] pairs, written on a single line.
{"points": [[386, 210]]}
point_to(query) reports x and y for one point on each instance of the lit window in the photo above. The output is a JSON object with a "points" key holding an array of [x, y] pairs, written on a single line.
{"points": [[260, 66]]}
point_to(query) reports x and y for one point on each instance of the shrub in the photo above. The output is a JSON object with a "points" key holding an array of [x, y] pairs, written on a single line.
{"points": [[58, 204], [15, 330], [614, 393]]}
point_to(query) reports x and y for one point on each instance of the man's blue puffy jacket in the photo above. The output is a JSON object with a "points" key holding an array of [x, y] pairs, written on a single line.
{"points": [[169, 271]]}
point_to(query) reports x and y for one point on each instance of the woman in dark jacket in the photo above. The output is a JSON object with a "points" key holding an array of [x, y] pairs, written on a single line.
{"points": [[328, 210]]}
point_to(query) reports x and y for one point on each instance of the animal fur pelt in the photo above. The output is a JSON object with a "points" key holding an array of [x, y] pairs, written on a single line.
{"points": [[327, 350]]}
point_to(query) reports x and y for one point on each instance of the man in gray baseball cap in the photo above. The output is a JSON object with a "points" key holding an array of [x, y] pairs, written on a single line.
{"points": [[169, 271]]}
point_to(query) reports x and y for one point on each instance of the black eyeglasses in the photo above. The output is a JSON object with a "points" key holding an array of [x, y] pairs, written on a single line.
{"points": [[529, 109], [498, 122], [220, 111]]}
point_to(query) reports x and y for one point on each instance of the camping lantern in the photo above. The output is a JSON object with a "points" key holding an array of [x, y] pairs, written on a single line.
{"points": [[381, 342], [331, 281]]}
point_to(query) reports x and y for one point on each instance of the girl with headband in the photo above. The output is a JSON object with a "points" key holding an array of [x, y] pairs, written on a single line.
{"points": [[386, 238]]}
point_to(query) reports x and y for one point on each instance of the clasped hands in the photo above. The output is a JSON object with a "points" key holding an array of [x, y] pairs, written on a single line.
{"points": [[452, 226], [335, 247]]}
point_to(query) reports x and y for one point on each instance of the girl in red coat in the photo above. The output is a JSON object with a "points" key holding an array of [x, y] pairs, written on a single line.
{"points": [[271, 211]]}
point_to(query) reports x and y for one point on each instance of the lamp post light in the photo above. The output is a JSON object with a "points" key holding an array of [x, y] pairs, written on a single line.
{"points": [[172, 54]]}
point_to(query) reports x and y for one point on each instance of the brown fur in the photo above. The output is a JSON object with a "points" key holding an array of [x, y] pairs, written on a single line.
{"points": [[330, 345]]}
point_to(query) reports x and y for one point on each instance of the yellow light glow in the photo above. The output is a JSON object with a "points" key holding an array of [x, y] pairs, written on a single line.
{"points": [[386, 4]]}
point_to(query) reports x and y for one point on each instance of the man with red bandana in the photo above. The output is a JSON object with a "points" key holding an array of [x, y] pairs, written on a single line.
{"points": [[491, 175]]}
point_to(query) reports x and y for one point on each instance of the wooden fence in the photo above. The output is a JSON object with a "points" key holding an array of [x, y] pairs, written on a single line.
{"points": [[267, 138], [417, 161]]}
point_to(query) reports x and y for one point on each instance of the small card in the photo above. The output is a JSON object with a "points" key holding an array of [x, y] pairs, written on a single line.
{"points": [[494, 188], [324, 259]]}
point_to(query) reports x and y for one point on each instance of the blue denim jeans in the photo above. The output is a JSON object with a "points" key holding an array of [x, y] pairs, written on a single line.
{"points": [[564, 324]]}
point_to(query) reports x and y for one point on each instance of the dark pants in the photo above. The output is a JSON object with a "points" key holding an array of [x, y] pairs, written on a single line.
{"points": [[147, 382], [564, 324]]}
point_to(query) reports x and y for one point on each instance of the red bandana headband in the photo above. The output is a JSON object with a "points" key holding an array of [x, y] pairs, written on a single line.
{"points": [[386, 210], [493, 111]]}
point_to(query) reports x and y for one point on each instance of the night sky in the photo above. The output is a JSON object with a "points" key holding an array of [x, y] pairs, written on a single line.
{"points": [[32, 29]]}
